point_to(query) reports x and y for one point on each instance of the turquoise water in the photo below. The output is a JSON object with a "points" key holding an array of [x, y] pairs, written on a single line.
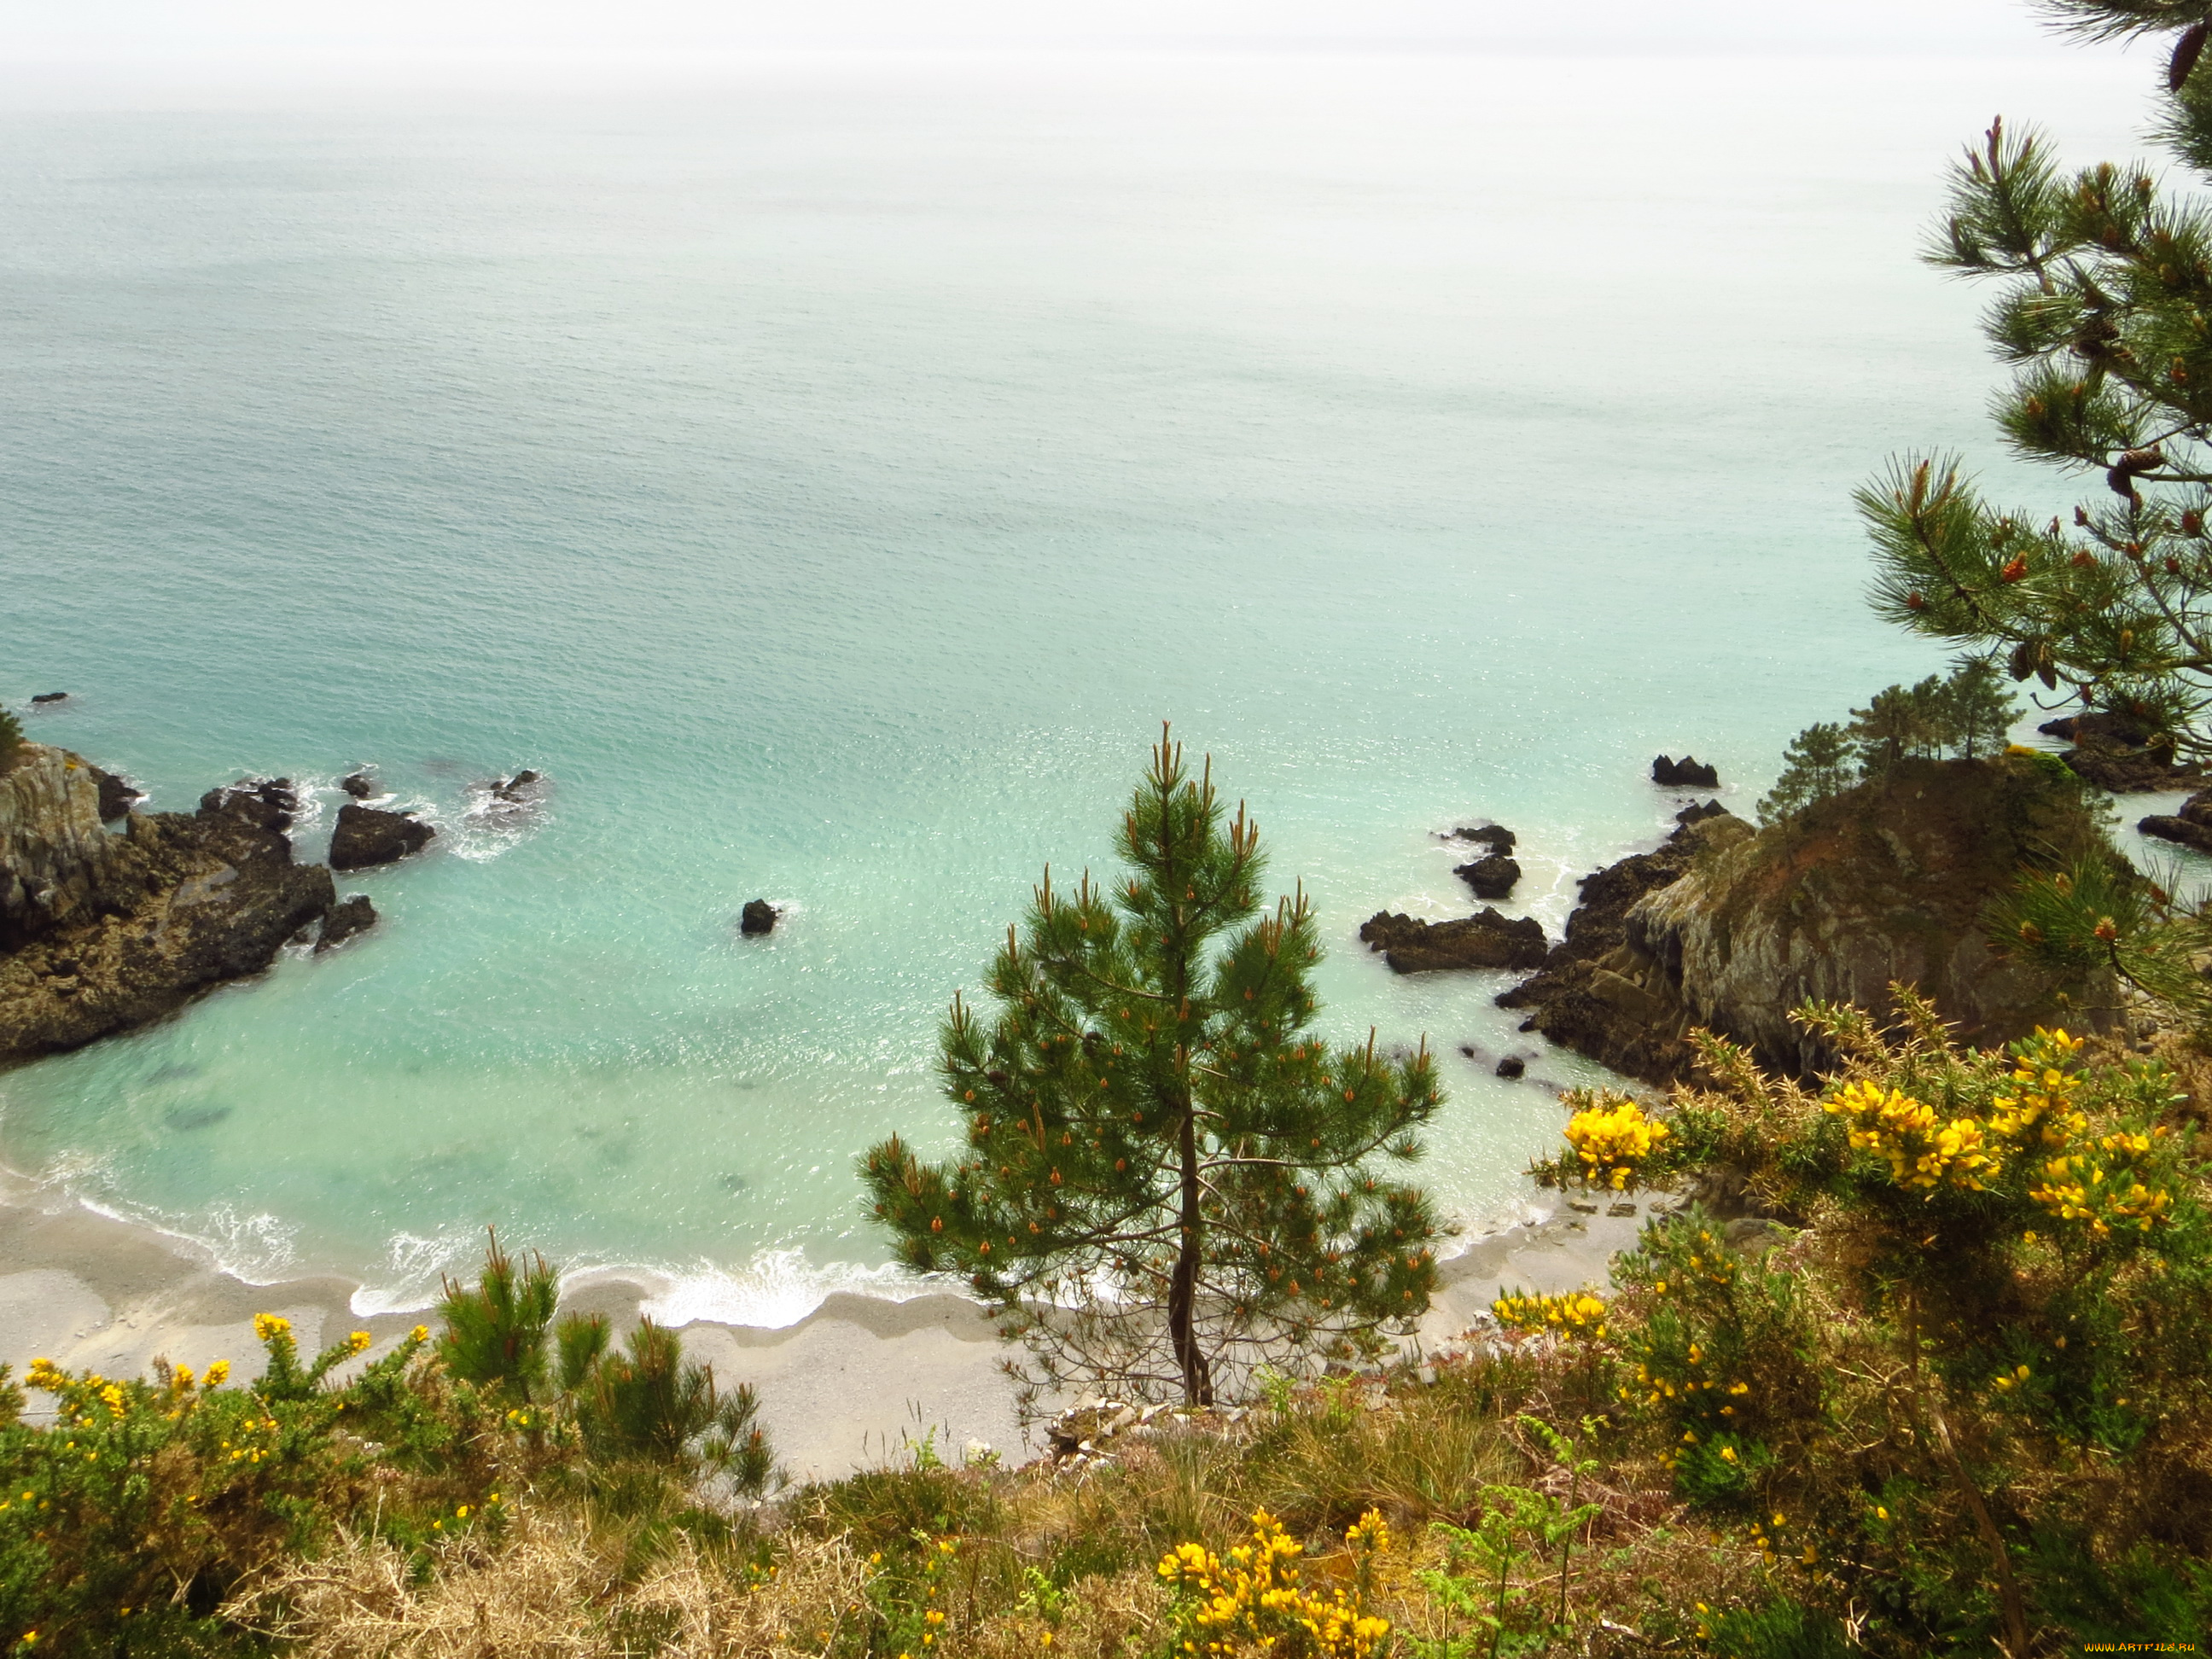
{"points": [[829, 475]]}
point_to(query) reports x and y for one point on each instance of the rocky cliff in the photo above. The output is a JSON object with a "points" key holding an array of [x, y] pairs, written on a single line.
{"points": [[1887, 883], [106, 932], [54, 855]]}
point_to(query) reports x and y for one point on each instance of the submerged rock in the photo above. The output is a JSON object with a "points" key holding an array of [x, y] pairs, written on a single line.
{"points": [[758, 917], [51, 696], [369, 835], [1485, 940]]}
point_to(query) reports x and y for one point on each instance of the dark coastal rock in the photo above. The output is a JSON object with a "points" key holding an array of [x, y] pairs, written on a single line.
{"points": [[369, 835], [1496, 836], [358, 785], [263, 803], [1512, 1065], [758, 917], [1491, 878], [1582, 1005], [115, 793], [132, 926], [521, 779], [51, 696], [2190, 827], [1884, 883], [1688, 772], [1485, 940], [2122, 754], [345, 919]]}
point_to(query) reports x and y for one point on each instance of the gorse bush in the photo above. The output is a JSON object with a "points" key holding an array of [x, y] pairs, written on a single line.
{"points": [[1970, 1395], [128, 1521]]}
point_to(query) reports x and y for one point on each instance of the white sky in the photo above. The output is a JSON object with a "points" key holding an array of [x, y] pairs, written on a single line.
{"points": [[143, 31]]}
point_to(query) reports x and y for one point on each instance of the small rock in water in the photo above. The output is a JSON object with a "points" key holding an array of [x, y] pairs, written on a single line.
{"points": [[358, 785], [1491, 878], [345, 919], [1688, 772], [758, 917], [51, 696], [368, 835], [1512, 1065], [1496, 836]]}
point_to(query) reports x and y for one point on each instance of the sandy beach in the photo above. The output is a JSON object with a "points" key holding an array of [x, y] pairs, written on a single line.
{"points": [[849, 1386]]}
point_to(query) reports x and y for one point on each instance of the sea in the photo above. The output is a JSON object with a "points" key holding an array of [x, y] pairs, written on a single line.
{"points": [[829, 470]]}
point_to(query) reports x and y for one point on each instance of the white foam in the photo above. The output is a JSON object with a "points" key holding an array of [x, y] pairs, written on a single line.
{"points": [[778, 1288]]}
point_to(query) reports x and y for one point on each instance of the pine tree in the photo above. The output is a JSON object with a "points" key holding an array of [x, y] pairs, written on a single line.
{"points": [[1899, 722], [1816, 765], [1978, 710], [1169, 1179], [2105, 279]]}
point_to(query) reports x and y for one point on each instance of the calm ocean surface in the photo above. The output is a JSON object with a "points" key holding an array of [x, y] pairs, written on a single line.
{"points": [[830, 473]]}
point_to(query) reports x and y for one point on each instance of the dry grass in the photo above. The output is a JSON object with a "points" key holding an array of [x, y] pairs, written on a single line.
{"points": [[548, 1591]]}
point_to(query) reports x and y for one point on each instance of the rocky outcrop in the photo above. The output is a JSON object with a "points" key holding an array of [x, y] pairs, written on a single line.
{"points": [[115, 793], [2190, 827], [153, 917], [1491, 878], [1688, 772], [1485, 940], [758, 917], [2121, 754], [1579, 999], [369, 835], [55, 860], [359, 784], [262, 802], [345, 919], [1887, 883]]}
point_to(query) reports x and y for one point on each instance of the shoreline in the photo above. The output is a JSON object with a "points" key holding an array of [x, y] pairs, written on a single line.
{"points": [[845, 1387]]}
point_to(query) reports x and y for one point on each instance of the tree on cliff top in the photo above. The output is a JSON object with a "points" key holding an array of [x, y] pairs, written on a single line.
{"points": [[1169, 1179]]}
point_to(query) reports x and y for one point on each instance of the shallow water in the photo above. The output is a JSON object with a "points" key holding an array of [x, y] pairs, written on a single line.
{"points": [[829, 477]]}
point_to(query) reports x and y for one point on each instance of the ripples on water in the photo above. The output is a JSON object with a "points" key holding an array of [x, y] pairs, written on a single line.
{"points": [[829, 479]]}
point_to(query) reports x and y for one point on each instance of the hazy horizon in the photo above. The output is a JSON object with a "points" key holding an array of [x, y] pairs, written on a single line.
{"points": [[47, 52]]}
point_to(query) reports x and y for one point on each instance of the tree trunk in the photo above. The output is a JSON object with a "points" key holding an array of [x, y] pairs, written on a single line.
{"points": [[1182, 1291]]}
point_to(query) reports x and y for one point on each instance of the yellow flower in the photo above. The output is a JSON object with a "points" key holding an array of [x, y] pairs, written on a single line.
{"points": [[358, 1341], [1613, 1139], [267, 1327], [420, 1334]]}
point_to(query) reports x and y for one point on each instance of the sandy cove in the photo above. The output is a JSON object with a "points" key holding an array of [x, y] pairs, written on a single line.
{"points": [[843, 1388]]}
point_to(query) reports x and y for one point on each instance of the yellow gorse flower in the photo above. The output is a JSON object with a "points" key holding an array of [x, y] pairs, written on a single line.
{"points": [[1923, 1152], [268, 1327], [1579, 1314], [1253, 1599], [1614, 1141]]}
